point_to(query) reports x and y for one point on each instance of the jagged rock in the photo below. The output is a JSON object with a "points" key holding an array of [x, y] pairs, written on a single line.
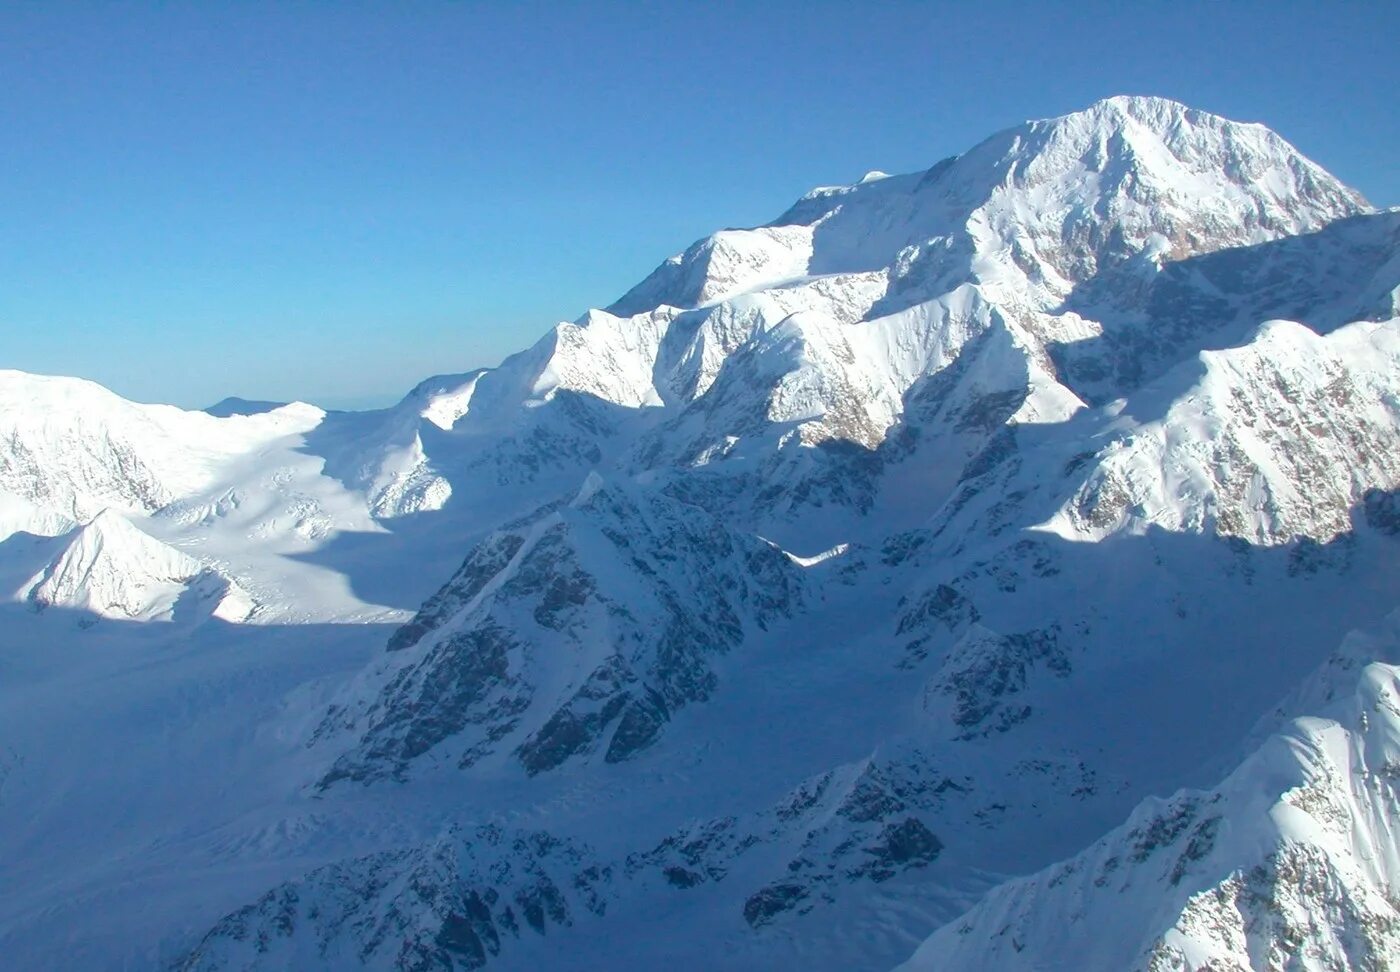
{"points": [[634, 594], [447, 906]]}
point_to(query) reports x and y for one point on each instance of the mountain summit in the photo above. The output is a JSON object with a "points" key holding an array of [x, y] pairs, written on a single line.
{"points": [[1044, 205]]}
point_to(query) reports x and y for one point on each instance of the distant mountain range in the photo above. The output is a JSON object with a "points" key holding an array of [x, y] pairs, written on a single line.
{"points": [[991, 567]]}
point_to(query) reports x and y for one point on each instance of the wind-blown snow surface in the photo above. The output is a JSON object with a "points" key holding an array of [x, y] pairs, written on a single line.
{"points": [[848, 571]]}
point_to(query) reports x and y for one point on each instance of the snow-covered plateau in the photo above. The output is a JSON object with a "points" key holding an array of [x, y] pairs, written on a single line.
{"points": [[990, 567]]}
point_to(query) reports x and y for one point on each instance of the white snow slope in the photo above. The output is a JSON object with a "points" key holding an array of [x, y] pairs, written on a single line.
{"points": [[912, 581], [1293, 861]]}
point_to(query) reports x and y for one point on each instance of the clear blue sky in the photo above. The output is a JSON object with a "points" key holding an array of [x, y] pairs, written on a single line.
{"points": [[329, 202]]}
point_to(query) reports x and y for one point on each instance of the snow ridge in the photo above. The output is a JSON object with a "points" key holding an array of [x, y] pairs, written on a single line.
{"points": [[1291, 861]]}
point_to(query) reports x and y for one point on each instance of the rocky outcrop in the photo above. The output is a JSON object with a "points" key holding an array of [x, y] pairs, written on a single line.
{"points": [[451, 905], [574, 634]]}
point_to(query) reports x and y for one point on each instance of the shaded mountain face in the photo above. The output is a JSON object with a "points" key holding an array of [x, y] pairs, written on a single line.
{"points": [[915, 578], [574, 634], [482, 887]]}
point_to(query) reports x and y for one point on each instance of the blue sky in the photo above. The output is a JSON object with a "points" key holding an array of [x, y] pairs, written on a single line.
{"points": [[330, 202]]}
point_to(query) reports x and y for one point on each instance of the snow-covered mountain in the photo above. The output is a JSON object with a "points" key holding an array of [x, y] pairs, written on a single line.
{"points": [[109, 568], [574, 633], [1292, 861], [73, 446], [830, 600]]}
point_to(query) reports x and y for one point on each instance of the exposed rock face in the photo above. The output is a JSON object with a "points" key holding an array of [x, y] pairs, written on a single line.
{"points": [[451, 905], [1253, 448], [856, 825], [983, 672], [573, 634]]}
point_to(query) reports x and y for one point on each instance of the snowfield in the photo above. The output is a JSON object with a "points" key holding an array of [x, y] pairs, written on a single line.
{"points": [[988, 567]]}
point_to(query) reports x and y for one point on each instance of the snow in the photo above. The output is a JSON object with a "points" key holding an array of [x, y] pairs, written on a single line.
{"points": [[20, 515], [1212, 460], [1293, 856], [770, 617], [112, 569]]}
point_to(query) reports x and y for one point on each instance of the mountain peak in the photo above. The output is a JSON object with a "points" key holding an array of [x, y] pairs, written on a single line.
{"points": [[1043, 205], [1145, 108], [1173, 142], [110, 567], [1152, 112]]}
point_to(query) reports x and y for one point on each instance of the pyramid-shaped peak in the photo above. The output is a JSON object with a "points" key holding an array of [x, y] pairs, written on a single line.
{"points": [[113, 529], [111, 520], [113, 568], [111, 537]]}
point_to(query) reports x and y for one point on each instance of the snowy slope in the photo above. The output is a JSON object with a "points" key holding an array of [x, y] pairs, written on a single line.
{"points": [[21, 515], [73, 446], [1292, 861]]}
